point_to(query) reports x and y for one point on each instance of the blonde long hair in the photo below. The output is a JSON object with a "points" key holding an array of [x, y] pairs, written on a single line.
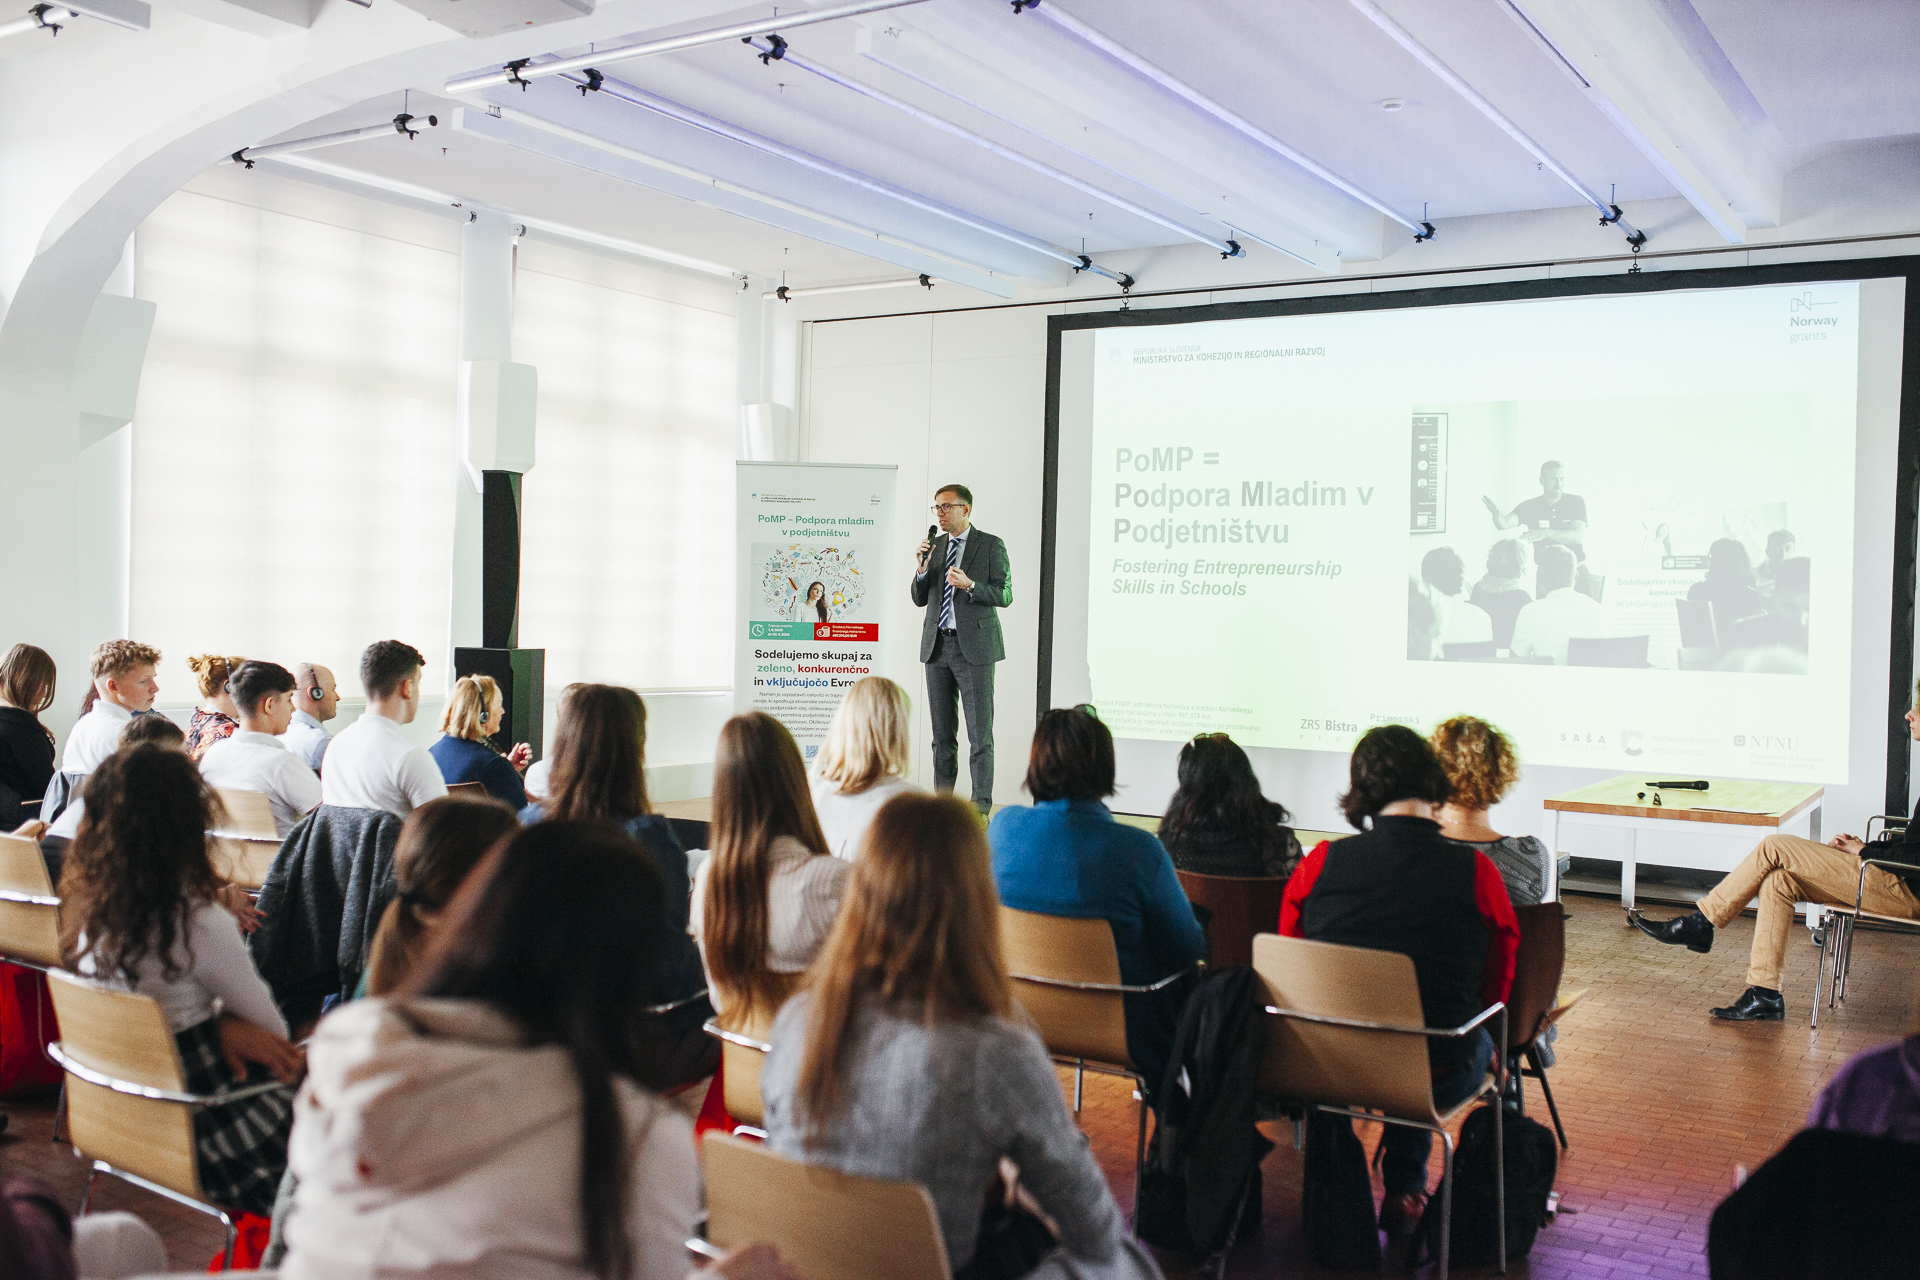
{"points": [[869, 737], [467, 708], [919, 931], [759, 794]]}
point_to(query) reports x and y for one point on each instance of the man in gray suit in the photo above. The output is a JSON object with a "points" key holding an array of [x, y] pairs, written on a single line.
{"points": [[961, 578]]}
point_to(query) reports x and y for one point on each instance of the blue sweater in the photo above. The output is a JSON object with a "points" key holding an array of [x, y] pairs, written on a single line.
{"points": [[1070, 858], [462, 760]]}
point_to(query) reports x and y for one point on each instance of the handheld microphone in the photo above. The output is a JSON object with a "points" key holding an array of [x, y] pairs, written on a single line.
{"points": [[933, 531], [1681, 786]]}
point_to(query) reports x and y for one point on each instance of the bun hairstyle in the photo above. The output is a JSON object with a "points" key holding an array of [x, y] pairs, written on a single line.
{"points": [[1391, 763], [212, 671]]}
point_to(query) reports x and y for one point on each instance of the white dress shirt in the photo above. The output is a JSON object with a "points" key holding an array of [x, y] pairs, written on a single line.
{"points": [[1544, 627], [371, 765], [306, 738], [95, 736], [261, 762]]}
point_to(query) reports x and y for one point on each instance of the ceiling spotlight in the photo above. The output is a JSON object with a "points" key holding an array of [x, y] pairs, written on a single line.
{"points": [[1392, 104]]}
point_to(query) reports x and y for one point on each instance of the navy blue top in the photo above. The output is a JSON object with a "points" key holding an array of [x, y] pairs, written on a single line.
{"points": [[463, 760], [1070, 858], [656, 835]]}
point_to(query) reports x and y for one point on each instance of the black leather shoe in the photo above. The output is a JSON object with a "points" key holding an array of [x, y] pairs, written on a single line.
{"points": [[1754, 1005], [1693, 930]]}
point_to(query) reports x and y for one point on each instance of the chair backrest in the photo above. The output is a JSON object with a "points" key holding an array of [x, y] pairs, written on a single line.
{"points": [[244, 862], [1537, 970], [1607, 651], [249, 814], [1241, 905], [1073, 1024], [740, 1065], [1343, 1066], [827, 1225], [125, 1036], [471, 790], [1696, 624], [1470, 651], [29, 931]]}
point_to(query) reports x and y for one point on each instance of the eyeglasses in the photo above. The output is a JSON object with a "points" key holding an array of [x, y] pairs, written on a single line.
{"points": [[942, 508]]}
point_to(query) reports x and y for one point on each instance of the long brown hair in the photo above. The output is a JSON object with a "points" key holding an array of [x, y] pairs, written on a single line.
{"points": [[759, 794], [599, 756], [440, 844], [139, 860], [919, 932], [27, 677]]}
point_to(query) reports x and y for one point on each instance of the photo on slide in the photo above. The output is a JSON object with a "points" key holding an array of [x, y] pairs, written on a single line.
{"points": [[807, 584], [1664, 532]]}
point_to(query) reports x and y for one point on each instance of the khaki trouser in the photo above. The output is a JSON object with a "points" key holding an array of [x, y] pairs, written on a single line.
{"points": [[1783, 870]]}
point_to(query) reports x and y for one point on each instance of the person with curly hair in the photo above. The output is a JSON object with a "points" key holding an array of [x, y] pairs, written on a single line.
{"points": [[123, 686], [1219, 823], [141, 909], [1402, 886], [216, 717], [1482, 766]]}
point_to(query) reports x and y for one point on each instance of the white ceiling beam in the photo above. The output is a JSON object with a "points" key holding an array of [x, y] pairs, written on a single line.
{"points": [[1636, 67], [527, 132], [267, 19]]}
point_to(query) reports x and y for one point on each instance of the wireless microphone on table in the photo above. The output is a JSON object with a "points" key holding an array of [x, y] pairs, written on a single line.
{"points": [[1680, 786]]}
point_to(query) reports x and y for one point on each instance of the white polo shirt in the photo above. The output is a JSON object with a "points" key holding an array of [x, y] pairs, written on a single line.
{"points": [[371, 765], [95, 736], [261, 762], [306, 738]]}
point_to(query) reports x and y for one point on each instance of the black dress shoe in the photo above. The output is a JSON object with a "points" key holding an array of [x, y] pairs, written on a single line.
{"points": [[1693, 930], [1754, 1005]]}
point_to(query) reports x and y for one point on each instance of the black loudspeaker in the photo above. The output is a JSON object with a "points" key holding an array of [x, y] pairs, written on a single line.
{"points": [[522, 677], [500, 560]]}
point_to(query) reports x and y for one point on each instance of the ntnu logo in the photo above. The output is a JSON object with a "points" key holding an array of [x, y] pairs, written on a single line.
{"points": [[1763, 741]]}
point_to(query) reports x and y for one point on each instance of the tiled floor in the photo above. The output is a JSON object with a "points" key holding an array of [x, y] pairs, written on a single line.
{"points": [[1661, 1105]]}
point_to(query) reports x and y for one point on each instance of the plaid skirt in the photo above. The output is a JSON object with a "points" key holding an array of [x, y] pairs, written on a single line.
{"points": [[242, 1148]]}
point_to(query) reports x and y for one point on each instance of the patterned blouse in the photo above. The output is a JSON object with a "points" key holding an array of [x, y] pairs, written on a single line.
{"points": [[206, 728]]}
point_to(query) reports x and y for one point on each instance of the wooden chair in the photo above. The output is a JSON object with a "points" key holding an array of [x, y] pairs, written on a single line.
{"points": [[1066, 975], [127, 1105], [1241, 905], [244, 845], [1534, 1003], [249, 815], [743, 1051], [1346, 1036], [827, 1225], [1836, 944], [29, 911]]}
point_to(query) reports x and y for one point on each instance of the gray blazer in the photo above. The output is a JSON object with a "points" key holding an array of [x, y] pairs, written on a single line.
{"points": [[975, 612]]}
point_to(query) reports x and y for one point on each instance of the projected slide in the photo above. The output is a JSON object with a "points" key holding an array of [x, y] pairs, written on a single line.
{"points": [[1618, 525]]}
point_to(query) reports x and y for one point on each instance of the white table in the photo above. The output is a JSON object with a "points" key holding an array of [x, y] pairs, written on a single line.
{"points": [[1773, 808]]}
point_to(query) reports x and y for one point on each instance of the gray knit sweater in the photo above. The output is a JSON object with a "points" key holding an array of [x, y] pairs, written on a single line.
{"points": [[940, 1106]]}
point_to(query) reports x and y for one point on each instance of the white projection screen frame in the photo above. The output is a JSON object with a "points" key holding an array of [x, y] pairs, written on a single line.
{"points": [[1087, 510]]}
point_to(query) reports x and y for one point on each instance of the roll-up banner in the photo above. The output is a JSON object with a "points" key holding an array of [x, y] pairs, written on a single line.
{"points": [[815, 541]]}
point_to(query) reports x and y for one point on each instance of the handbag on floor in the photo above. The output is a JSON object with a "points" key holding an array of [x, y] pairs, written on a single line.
{"points": [[1532, 1160], [1336, 1197]]}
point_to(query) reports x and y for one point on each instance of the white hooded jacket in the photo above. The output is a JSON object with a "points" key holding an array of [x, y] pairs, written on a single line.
{"points": [[428, 1141]]}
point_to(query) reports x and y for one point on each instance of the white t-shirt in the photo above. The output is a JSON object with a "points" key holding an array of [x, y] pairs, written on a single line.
{"points": [[539, 778], [95, 736], [845, 818], [1544, 627], [371, 765], [220, 970], [261, 762]]}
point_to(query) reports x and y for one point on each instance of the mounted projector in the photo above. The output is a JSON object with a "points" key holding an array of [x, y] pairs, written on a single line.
{"points": [[477, 18]]}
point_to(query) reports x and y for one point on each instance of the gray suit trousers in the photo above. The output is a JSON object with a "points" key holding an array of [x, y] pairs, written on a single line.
{"points": [[951, 676]]}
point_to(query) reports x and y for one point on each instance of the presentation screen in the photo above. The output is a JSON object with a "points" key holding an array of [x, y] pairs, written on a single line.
{"points": [[1647, 530]]}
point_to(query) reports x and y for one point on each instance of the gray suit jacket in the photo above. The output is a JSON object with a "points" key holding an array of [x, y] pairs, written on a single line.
{"points": [[975, 613]]}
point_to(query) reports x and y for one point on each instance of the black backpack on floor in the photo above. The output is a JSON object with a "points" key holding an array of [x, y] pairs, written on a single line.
{"points": [[1532, 1159]]}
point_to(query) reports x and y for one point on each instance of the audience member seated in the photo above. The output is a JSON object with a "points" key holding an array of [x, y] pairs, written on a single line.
{"points": [[765, 900], [440, 844], [1482, 767], [55, 838], [140, 910], [370, 764], [1503, 592], [600, 775], [1877, 1093], [123, 687], [1066, 856], [1780, 549], [539, 777], [216, 717], [494, 1117], [1781, 871], [1544, 627], [1401, 886], [316, 700], [465, 752], [863, 763], [1444, 575], [255, 758], [904, 1058], [1729, 585], [1219, 823], [27, 678]]}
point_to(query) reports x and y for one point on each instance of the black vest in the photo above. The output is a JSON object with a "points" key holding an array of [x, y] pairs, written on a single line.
{"points": [[1404, 887]]}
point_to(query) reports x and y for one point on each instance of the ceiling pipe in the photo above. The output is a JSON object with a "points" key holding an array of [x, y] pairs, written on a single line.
{"points": [[523, 70], [785, 294], [641, 98], [779, 51], [1610, 215], [1423, 230], [399, 124]]}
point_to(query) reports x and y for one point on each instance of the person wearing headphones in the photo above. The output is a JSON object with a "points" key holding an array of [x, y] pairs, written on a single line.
{"points": [[316, 700], [476, 710]]}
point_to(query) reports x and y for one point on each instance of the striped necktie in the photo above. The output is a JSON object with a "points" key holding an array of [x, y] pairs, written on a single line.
{"points": [[946, 606]]}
